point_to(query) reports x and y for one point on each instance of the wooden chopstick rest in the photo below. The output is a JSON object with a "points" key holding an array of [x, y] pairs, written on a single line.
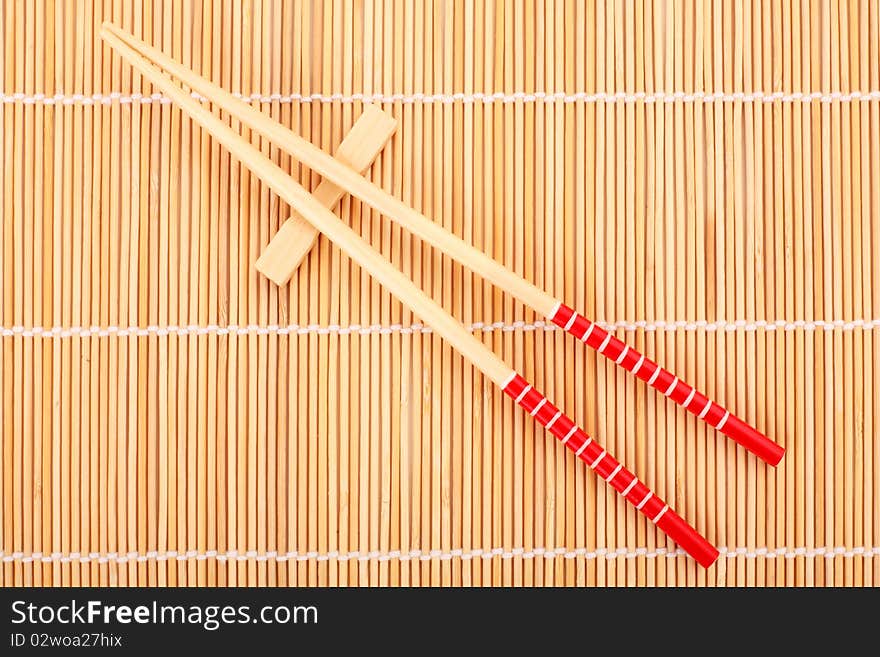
{"points": [[296, 237]]}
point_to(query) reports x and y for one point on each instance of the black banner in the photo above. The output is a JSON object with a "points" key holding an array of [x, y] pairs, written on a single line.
{"points": [[407, 621]]}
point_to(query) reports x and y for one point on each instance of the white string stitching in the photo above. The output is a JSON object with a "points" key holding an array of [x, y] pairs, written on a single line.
{"points": [[478, 97], [420, 555], [381, 329]]}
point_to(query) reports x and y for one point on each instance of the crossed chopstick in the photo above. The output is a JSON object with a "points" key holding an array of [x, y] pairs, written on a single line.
{"points": [[342, 175]]}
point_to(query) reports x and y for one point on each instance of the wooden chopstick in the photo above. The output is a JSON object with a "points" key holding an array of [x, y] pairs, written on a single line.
{"points": [[560, 314], [561, 426]]}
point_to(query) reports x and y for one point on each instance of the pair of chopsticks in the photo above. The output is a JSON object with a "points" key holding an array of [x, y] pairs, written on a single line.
{"points": [[158, 68]]}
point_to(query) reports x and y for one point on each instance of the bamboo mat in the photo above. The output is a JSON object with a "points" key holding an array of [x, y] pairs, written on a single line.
{"points": [[703, 177]]}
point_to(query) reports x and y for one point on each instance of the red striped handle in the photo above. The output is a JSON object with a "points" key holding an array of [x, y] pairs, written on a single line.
{"points": [[607, 467], [670, 385]]}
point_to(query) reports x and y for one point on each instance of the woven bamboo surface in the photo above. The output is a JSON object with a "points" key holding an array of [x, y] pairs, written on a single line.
{"points": [[704, 177]]}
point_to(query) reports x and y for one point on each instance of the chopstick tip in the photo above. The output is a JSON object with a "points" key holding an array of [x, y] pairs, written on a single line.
{"points": [[105, 30], [108, 28]]}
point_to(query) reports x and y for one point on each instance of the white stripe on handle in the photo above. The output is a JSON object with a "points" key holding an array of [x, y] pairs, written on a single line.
{"points": [[670, 385], [606, 466]]}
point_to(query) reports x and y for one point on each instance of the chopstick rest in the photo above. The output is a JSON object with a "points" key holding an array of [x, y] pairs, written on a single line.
{"points": [[438, 236], [350, 243], [296, 237]]}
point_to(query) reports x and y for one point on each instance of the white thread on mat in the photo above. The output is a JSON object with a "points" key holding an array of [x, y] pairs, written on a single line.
{"points": [[61, 98], [319, 329], [427, 555]]}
